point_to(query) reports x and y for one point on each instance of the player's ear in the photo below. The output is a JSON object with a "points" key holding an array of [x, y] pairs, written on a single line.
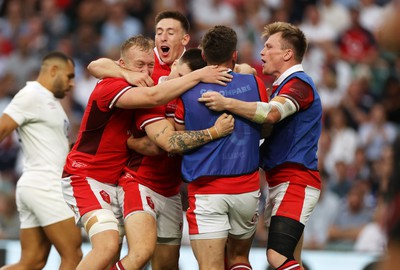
{"points": [[53, 70], [121, 63], [235, 56], [185, 39], [288, 55]]}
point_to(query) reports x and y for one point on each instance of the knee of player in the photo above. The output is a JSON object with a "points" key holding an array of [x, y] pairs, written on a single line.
{"points": [[72, 256], [283, 237], [78, 255], [36, 260], [73, 251], [72, 259], [103, 225]]}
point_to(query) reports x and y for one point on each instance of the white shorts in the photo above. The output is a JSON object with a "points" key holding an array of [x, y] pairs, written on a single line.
{"points": [[217, 215], [87, 194], [41, 207], [295, 201], [166, 210]]}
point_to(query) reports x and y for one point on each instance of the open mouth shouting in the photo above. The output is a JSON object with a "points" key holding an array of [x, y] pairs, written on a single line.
{"points": [[164, 50]]}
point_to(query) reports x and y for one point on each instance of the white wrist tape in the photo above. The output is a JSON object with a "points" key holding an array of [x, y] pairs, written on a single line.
{"points": [[285, 106], [262, 112]]}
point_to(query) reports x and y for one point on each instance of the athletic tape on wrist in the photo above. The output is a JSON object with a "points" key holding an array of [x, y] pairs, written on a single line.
{"points": [[262, 112]]}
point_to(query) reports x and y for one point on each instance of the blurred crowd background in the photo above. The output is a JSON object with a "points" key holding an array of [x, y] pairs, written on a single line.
{"points": [[358, 81]]}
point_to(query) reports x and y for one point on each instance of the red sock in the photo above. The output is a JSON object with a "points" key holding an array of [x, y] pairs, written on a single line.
{"points": [[241, 266], [289, 265], [117, 266]]}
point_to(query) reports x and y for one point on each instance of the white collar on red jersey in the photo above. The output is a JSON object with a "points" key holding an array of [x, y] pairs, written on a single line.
{"points": [[287, 73]]}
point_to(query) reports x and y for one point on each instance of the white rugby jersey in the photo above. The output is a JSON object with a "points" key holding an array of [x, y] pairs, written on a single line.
{"points": [[43, 133]]}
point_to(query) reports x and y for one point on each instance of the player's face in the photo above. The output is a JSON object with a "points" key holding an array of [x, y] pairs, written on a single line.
{"points": [[182, 69], [139, 60], [64, 81], [179, 69], [272, 55], [170, 40]]}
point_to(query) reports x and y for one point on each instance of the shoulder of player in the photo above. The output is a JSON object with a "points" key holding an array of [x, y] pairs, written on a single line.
{"points": [[110, 85], [112, 81], [31, 93], [297, 83]]}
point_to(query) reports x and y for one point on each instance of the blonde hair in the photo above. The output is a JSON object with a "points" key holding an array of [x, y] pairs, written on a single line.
{"points": [[292, 37], [141, 42]]}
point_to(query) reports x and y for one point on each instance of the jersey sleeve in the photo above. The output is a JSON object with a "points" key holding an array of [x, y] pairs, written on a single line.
{"points": [[179, 112], [23, 108], [108, 91], [299, 92], [170, 109], [144, 117], [262, 90]]}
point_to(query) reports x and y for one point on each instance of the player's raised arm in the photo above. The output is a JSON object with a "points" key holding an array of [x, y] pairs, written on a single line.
{"points": [[146, 97], [259, 112], [105, 67]]}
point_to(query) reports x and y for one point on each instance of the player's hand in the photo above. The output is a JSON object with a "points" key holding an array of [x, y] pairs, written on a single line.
{"points": [[214, 74], [214, 101], [224, 125], [138, 78], [244, 69]]}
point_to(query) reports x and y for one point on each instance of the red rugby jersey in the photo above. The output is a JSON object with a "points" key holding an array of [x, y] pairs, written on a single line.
{"points": [[161, 173], [100, 151]]}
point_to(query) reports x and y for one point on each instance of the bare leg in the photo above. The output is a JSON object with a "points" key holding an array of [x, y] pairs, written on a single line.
{"points": [[35, 249], [105, 246], [238, 251], [67, 239], [210, 253], [165, 257], [141, 234], [297, 251]]}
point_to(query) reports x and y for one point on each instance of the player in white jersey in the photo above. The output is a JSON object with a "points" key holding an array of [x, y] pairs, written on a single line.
{"points": [[43, 126]]}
